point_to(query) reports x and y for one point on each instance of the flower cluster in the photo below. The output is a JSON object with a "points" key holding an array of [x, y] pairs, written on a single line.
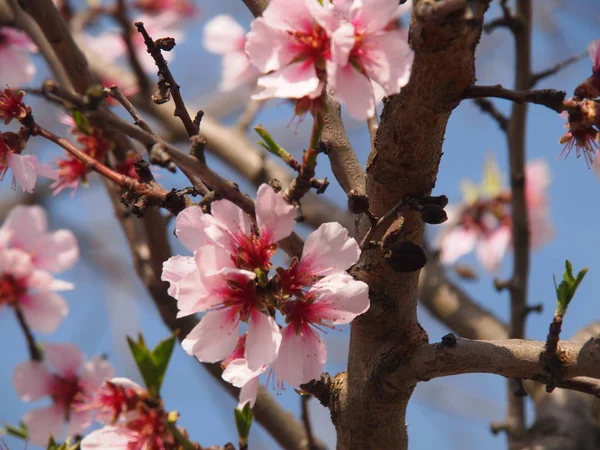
{"points": [[71, 386], [25, 168], [15, 53], [354, 47], [484, 220], [71, 170], [132, 418], [29, 256], [229, 276], [583, 118]]}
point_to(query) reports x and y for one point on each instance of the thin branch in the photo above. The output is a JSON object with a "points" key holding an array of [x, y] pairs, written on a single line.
{"points": [[165, 76], [249, 114], [34, 351], [305, 416], [550, 98], [488, 107], [539, 76], [256, 7], [379, 224], [118, 95]]}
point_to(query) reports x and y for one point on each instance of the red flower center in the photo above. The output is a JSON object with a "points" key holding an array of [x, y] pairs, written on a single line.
{"points": [[254, 251], [312, 44], [65, 390], [11, 289]]}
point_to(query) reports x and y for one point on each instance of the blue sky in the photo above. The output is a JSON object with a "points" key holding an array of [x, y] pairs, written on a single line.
{"points": [[109, 302]]}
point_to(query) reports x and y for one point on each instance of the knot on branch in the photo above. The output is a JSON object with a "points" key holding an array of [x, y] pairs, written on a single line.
{"points": [[320, 389]]}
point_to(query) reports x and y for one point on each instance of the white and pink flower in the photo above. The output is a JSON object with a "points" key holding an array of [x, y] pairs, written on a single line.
{"points": [[15, 53], [224, 36], [69, 384]]}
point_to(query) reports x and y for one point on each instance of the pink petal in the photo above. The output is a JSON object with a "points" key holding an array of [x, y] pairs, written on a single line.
{"points": [[388, 60], [210, 259], [295, 80], [490, 251], [79, 421], [214, 337], [189, 228], [301, 356], [268, 48], [325, 14], [541, 227], [45, 422], [222, 34], [95, 372], [66, 359], [109, 438], [45, 170], [238, 373], [174, 269], [342, 42], [44, 311], [17, 68], [342, 298], [237, 70], [26, 225], [23, 170], [353, 89], [248, 393], [329, 250], [18, 38], [289, 16], [456, 243], [191, 294], [44, 281], [32, 381], [16, 263], [373, 15], [56, 251], [275, 217], [263, 340], [229, 217], [594, 52]]}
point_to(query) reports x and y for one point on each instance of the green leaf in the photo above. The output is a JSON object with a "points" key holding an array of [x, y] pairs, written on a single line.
{"points": [[565, 291], [18, 432], [271, 146], [152, 364], [243, 422], [82, 123]]}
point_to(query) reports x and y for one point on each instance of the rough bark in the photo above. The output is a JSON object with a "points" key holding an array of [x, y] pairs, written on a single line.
{"points": [[370, 411]]}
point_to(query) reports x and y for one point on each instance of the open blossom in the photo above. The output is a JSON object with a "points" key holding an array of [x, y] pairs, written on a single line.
{"points": [[356, 48], [484, 222], [185, 8], [325, 296], [68, 385], [15, 53], [26, 228], [369, 48], [228, 250], [583, 134], [224, 36]]}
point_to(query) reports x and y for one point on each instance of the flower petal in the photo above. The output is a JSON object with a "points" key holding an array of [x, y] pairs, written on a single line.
{"points": [[222, 34], [109, 438], [295, 80], [56, 251], [26, 225], [79, 421], [373, 15], [214, 337], [248, 393], [329, 250], [66, 359], [32, 380], [491, 250], [263, 340], [45, 422], [95, 372], [23, 168], [594, 52], [352, 89], [275, 217], [189, 228], [238, 373], [342, 298], [268, 48], [456, 243], [229, 218], [16, 263], [44, 311], [174, 269]]}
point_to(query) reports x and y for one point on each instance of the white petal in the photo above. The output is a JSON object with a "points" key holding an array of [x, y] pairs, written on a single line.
{"points": [[248, 393], [238, 374], [263, 340], [329, 250], [32, 380], [275, 217], [189, 228], [214, 338]]}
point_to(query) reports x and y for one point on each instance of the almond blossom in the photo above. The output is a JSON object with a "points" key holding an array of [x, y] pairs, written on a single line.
{"points": [[185, 8], [71, 380], [325, 296], [583, 134], [224, 36], [369, 48], [26, 228], [230, 254], [31, 292], [484, 222], [15, 53]]}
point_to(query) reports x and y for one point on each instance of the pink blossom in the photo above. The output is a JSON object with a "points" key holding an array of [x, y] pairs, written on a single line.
{"points": [[116, 400], [292, 41], [15, 53], [238, 373], [71, 381], [26, 228], [25, 168], [484, 223], [185, 8], [369, 48], [326, 296], [224, 36], [32, 291]]}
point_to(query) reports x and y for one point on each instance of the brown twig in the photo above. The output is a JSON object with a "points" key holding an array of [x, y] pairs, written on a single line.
{"points": [[488, 107], [305, 416], [34, 352], [118, 95], [550, 98], [539, 76], [121, 15], [256, 7], [167, 82], [508, 20]]}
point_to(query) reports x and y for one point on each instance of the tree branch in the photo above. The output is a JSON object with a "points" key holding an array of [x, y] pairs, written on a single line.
{"points": [[539, 76], [550, 98], [488, 107]]}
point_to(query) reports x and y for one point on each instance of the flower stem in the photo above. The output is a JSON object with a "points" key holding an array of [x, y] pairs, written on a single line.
{"points": [[34, 351]]}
